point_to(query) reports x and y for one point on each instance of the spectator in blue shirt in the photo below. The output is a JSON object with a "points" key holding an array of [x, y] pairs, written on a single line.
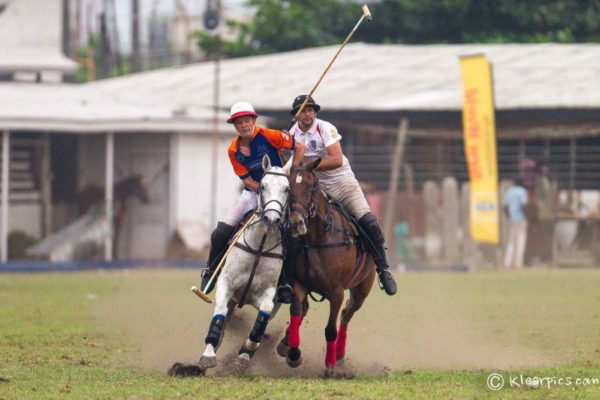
{"points": [[515, 200]]}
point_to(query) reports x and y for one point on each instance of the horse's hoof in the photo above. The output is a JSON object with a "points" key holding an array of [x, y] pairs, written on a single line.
{"points": [[241, 362], [282, 348], [207, 362], [294, 363], [294, 357], [329, 373]]}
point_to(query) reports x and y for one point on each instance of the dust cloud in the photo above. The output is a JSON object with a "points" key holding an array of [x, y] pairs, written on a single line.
{"points": [[167, 324]]}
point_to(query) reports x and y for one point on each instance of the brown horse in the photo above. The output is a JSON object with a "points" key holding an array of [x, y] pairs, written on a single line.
{"points": [[330, 260], [129, 187]]}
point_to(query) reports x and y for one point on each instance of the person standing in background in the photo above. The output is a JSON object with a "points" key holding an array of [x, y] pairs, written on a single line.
{"points": [[515, 201]]}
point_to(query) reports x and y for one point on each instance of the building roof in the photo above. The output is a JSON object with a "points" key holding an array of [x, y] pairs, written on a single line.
{"points": [[79, 109], [365, 77], [380, 78]]}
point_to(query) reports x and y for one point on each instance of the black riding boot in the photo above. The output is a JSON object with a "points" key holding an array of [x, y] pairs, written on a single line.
{"points": [[218, 245], [368, 223], [285, 294]]}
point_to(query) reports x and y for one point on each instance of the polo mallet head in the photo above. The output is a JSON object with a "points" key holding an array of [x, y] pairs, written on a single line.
{"points": [[367, 13], [201, 294]]}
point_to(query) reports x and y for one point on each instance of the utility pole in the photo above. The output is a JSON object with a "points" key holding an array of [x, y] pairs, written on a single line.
{"points": [[215, 130], [212, 18], [66, 28], [136, 61], [105, 48]]}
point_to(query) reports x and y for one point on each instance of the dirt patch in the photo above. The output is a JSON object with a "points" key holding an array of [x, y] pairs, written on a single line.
{"points": [[168, 324]]}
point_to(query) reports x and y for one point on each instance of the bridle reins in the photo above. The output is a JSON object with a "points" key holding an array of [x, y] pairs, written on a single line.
{"points": [[260, 251], [310, 210], [306, 209]]}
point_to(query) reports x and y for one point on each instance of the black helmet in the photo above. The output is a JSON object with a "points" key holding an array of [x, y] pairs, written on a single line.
{"points": [[300, 99]]}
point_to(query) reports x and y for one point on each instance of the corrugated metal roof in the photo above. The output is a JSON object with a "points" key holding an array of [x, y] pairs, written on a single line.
{"points": [[380, 78], [365, 77]]}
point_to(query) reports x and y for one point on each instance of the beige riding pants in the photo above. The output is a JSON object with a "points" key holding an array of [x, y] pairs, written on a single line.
{"points": [[347, 191], [515, 248]]}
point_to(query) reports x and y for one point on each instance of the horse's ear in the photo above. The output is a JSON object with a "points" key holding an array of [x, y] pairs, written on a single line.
{"points": [[311, 166], [266, 162]]}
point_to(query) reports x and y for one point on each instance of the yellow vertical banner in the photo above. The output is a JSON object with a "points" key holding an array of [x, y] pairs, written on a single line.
{"points": [[479, 129]]}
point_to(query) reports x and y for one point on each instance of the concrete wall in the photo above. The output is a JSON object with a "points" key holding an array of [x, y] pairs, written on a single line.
{"points": [[191, 157], [25, 217]]}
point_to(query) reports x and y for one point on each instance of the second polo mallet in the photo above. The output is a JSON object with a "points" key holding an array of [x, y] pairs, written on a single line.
{"points": [[366, 14]]}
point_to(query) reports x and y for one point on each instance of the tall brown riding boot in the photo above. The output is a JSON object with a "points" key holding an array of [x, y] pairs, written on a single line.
{"points": [[369, 224]]}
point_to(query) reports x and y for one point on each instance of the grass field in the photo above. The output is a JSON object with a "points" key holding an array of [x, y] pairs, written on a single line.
{"points": [[114, 335]]}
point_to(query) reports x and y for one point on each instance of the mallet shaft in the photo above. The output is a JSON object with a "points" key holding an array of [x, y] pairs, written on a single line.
{"points": [[201, 293], [366, 14]]}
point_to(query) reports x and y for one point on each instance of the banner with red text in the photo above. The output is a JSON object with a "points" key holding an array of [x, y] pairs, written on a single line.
{"points": [[480, 148]]}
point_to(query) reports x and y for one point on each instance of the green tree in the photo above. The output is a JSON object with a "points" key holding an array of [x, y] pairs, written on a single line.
{"points": [[490, 21], [289, 25]]}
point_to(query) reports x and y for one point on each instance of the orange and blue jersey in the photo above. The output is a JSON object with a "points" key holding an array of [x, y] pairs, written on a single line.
{"points": [[263, 141]]}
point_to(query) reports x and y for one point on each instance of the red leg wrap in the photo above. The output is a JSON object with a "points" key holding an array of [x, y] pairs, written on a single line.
{"points": [[287, 330], [330, 357], [294, 340], [340, 345]]}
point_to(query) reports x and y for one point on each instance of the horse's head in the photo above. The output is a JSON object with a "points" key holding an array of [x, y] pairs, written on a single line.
{"points": [[133, 186], [303, 194], [272, 193]]}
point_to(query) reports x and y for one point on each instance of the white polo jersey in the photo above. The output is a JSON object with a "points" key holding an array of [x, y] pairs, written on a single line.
{"points": [[321, 135]]}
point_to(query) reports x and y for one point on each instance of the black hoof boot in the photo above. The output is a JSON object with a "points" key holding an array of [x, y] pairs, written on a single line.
{"points": [[387, 282], [285, 295]]}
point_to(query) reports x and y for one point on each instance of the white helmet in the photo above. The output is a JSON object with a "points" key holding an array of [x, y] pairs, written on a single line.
{"points": [[240, 109]]}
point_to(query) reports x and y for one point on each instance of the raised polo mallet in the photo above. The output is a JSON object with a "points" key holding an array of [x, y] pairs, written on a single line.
{"points": [[366, 14]]}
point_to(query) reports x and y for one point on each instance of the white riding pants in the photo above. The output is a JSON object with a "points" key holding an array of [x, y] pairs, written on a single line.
{"points": [[347, 191], [246, 202]]}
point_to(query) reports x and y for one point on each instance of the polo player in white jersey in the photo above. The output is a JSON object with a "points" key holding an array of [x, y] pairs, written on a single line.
{"points": [[322, 140]]}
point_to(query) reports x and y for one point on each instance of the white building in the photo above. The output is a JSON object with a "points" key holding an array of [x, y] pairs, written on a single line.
{"points": [[60, 138], [30, 42]]}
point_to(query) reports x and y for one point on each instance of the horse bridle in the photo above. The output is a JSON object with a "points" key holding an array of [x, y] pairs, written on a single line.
{"points": [[309, 209], [262, 202]]}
